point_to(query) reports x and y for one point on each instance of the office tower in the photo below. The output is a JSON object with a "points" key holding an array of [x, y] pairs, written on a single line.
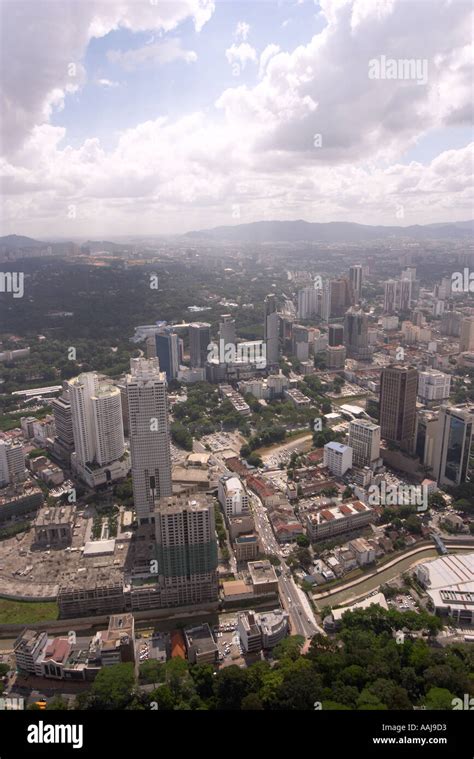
{"points": [[390, 296], [149, 435], [364, 439], [186, 550], [12, 463], [454, 439], [307, 303], [433, 385], [199, 341], [167, 353], [232, 495], [355, 278], [96, 420], [426, 434], [63, 444], [300, 342], [335, 357], [466, 343], [404, 293], [356, 334], [398, 387], [336, 335], [271, 329], [227, 330], [340, 296]]}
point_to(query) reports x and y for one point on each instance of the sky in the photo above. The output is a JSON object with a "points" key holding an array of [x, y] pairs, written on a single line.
{"points": [[143, 117]]}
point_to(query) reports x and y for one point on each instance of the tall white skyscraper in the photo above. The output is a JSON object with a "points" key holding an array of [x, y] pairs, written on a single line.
{"points": [[149, 435], [307, 303], [364, 439], [96, 420], [99, 454]]}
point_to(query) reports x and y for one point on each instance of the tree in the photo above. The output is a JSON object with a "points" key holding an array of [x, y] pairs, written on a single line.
{"points": [[439, 698], [231, 687], [302, 541], [58, 704], [113, 686], [289, 648]]}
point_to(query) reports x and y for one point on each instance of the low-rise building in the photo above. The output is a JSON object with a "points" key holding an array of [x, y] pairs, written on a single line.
{"points": [[28, 649], [338, 519], [53, 526], [200, 644], [263, 577], [364, 552]]}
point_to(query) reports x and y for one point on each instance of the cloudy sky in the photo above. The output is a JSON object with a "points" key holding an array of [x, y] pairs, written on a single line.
{"points": [[161, 116]]}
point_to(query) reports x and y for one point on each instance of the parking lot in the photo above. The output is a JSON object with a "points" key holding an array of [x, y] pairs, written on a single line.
{"points": [[404, 602], [228, 642]]}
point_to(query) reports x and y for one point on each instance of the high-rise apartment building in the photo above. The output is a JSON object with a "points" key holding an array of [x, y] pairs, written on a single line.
{"points": [[99, 446], [271, 329], [453, 444], [199, 341], [96, 420], [466, 343], [364, 439], [186, 549], [149, 435], [398, 388], [307, 303], [356, 334]]}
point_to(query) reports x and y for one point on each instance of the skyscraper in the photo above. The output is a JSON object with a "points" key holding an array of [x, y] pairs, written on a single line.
{"points": [[398, 388], [149, 435], [97, 427], [167, 353], [12, 463], [199, 340], [364, 439], [356, 334], [336, 335], [64, 439], [340, 296], [307, 302], [96, 420], [271, 327], [390, 296], [186, 550], [453, 445], [355, 278], [466, 343], [227, 329]]}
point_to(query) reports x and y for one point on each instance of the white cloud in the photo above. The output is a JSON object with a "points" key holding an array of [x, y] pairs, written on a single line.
{"points": [[40, 40], [241, 54], [242, 30], [165, 51], [259, 150], [107, 83]]}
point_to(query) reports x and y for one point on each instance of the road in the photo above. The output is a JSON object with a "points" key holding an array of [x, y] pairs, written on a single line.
{"points": [[293, 598]]}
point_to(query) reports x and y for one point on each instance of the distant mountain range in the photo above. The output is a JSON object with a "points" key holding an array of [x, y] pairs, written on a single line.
{"points": [[16, 242], [331, 232]]}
